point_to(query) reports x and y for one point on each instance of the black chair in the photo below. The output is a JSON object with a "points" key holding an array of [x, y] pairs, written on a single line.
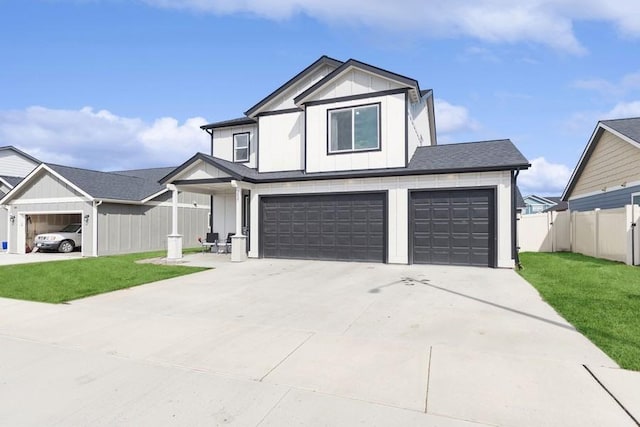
{"points": [[228, 243], [210, 241]]}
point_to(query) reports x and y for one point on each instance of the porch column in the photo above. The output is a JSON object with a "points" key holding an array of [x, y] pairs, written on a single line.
{"points": [[174, 240], [238, 241]]}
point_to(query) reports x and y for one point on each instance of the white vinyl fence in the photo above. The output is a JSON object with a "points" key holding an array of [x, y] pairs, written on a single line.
{"points": [[608, 233]]}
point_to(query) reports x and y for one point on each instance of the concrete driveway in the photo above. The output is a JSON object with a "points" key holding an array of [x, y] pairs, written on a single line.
{"points": [[271, 342]]}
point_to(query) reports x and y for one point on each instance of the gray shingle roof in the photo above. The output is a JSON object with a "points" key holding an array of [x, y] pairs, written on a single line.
{"points": [[629, 127], [451, 158], [520, 204], [12, 180], [132, 185]]}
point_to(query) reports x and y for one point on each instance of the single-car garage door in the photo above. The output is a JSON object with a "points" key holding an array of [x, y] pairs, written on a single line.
{"points": [[455, 227], [343, 227]]}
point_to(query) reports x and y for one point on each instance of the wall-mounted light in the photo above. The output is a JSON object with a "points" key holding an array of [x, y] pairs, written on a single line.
{"points": [[12, 218], [86, 219], [195, 204]]}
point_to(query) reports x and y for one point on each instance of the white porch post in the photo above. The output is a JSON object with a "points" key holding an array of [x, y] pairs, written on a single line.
{"points": [[238, 241], [174, 240]]}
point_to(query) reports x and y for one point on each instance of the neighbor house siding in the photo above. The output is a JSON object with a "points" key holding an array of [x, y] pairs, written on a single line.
{"points": [[398, 211], [605, 200], [392, 133], [126, 228], [281, 142], [13, 164], [612, 163], [223, 143]]}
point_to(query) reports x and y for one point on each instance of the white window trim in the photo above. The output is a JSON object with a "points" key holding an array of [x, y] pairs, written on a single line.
{"points": [[353, 120], [236, 147], [637, 193]]}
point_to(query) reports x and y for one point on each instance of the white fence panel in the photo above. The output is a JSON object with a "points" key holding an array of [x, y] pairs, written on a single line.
{"points": [[612, 234], [562, 231], [584, 233], [533, 233]]}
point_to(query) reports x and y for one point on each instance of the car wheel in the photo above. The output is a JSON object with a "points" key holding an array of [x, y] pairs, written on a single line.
{"points": [[66, 246]]}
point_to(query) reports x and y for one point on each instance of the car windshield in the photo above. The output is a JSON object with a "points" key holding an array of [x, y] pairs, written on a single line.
{"points": [[71, 228]]}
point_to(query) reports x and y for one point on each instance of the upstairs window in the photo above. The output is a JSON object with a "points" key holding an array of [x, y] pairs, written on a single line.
{"points": [[354, 129], [241, 147]]}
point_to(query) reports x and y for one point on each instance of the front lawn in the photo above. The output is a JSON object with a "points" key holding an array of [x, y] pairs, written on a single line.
{"points": [[600, 298], [60, 281]]}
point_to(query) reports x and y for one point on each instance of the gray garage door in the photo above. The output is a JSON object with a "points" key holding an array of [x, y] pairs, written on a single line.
{"points": [[343, 227], [454, 227]]}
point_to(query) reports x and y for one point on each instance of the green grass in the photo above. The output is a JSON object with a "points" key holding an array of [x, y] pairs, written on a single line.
{"points": [[60, 281], [600, 298]]}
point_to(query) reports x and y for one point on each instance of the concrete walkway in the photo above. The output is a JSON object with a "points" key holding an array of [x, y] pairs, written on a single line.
{"points": [[11, 259], [271, 342]]}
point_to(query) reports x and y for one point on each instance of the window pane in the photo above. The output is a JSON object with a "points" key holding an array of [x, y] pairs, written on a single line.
{"points": [[341, 130], [242, 140], [636, 199], [366, 127], [242, 154]]}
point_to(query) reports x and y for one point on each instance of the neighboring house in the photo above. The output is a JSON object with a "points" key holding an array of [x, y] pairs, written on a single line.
{"points": [[520, 204], [341, 163], [15, 164], [560, 205], [121, 212], [608, 173], [536, 204]]}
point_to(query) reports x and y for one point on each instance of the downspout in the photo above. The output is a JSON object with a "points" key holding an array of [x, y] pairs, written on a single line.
{"points": [[514, 214], [95, 227], [633, 236]]}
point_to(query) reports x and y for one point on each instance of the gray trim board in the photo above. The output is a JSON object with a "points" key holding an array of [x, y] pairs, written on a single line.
{"points": [[202, 181], [278, 112], [356, 97]]}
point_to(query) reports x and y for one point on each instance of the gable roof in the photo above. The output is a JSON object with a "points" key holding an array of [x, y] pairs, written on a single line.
{"points": [[230, 123], [125, 186], [352, 63], [20, 152], [436, 159], [627, 129], [541, 199], [520, 204], [322, 61], [11, 181]]}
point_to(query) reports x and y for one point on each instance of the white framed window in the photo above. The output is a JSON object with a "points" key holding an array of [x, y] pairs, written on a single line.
{"points": [[635, 199], [241, 147], [354, 129]]}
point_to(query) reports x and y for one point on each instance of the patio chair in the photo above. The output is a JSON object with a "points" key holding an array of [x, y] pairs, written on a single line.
{"points": [[227, 244], [210, 241]]}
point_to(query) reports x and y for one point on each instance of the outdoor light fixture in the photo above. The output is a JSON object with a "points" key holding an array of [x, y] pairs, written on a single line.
{"points": [[12, 218], [86, 219]]}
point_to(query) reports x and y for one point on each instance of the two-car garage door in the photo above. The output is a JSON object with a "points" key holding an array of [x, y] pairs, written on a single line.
{"points": [[454, 227]]}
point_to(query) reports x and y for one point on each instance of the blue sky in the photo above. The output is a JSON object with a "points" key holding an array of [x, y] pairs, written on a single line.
{"points": [[116, 84]]}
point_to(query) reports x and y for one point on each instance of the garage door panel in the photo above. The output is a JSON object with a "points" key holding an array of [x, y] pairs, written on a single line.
{"points": [[332, 227], [452, 226]]}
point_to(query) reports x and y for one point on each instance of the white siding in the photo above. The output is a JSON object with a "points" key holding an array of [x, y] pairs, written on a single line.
{"points": [[392, 121], [355, 82], [223, 143], [14, 164], [398, 215], [419, 133], [285, 99], [281, 142], [4, 226], [224, 210], [200, 170]]}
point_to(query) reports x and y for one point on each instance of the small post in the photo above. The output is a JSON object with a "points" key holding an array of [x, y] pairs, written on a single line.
{"points": [[238, 240], [174, 240]]}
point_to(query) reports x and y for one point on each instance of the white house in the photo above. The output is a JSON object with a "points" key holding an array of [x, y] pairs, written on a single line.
{"points": [[341, 163]]}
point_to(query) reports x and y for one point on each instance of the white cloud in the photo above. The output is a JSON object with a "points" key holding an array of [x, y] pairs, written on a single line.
{"points": [[540, 21], [101, 139], [627, 83], [544, 178], [623, 110], [452, 118]]}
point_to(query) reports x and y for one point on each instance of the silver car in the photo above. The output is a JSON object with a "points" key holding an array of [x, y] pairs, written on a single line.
{"points": [[65, 240]]}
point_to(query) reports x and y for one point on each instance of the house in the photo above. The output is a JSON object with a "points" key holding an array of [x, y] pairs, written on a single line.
{"points": [[607, 175], [560, 205], [537, 204], [120, 212], [341, 163], [15, 164], [520, 204]]}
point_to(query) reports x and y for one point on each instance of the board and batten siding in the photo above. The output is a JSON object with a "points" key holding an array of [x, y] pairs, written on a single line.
{"points": [[392, 137], [398, 205], [612, 163], [419, 133], [13, 164], [124, 228], [284, 100], [223, 143], [4, 225], [281, 142], [224, 214], [355, 82]]}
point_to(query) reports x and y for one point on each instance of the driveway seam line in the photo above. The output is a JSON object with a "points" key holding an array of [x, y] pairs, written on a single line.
{"points": [[274, 407], [286, 357], [426, 397], [612, 395]]}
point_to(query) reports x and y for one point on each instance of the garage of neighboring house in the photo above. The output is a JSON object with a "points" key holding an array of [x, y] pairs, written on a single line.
{"points": [[348, 227], [452, 227], [120, 212]]}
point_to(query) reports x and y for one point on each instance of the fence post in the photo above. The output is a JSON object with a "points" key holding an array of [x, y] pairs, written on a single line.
{"points": [[572, 231], [596, 232], [629, 229]]}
